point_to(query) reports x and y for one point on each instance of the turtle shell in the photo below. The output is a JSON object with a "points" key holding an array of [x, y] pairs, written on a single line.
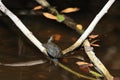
{"points": [[53, 50]]}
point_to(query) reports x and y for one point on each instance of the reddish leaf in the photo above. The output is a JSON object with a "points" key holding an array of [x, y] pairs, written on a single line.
{"points": [[85, 69], [57, 37], [65, 60]]}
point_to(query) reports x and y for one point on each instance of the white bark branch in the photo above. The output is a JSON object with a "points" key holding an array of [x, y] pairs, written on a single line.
{"points": [[96, 61], [90, 28], [22, 27]]}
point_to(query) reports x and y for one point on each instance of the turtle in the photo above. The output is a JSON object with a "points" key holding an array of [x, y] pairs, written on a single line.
{"points": [[53, 50]]}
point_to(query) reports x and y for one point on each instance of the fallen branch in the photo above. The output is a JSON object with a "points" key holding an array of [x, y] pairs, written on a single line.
{"points": [[22, 27], [98, 64]]}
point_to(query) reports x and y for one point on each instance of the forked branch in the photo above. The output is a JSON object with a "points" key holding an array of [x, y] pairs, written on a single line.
{"points": [[90, 27]]}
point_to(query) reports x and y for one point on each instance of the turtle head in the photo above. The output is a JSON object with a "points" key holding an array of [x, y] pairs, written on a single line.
{"points": [[50, 39]]}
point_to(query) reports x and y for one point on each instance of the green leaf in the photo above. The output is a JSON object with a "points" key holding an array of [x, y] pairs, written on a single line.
{"points": [[60, 18], [95, 73]]}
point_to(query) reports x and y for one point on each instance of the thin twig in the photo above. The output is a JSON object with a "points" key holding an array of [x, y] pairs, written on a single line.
{"points": [[90, 28], [22, 27], [98, 64]]}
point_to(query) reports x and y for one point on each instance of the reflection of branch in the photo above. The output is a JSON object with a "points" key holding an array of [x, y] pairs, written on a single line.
{"points": [[22, 27], [98, 64], [91, 27], [28, 63]]}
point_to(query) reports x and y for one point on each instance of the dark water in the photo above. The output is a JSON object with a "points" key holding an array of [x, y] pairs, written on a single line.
{"points": [[11, 39]]}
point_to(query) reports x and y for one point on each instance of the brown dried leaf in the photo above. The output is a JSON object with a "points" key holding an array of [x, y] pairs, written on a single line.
{"points": [[69, 10], [84, 66], [85, 69], [37, 7], [50, 16], [93, 36], [57, 37], [65, 60], [81, 63], [42, 76], [96, 45], [73, 39]]}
